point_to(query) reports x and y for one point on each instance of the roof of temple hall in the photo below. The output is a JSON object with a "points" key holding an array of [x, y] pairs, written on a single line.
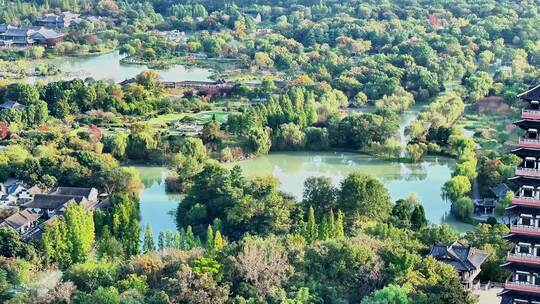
{"points": [[20, 219], [461, 256], [531, 94], [52, 201]]}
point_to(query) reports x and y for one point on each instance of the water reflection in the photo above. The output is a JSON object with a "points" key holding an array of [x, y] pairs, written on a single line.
{"points": [[425, 179], [108, 66]]}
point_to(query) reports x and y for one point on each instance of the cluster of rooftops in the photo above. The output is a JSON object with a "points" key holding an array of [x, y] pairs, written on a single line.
{"points": [[38, 209], [44, 31]]}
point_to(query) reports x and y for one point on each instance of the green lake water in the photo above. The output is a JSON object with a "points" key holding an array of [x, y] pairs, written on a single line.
{"points": [[108, 66], [425, 179]]}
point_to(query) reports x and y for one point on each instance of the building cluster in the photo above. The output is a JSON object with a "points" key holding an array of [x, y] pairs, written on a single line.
{"points": [[28, 35], [45, 32], [38, 209], [523, 286]]}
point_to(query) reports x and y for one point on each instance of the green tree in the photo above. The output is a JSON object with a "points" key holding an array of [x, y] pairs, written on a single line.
{"points": [[456, 188], [418, 218], [259, 140], [463, 208], [125, 222], [339, 230], [161, 240], [209, 238], [312, 233], [116, 144], [70, 239], [218, 242], [391, 294], [148, 243], [108, 246], [364, 195], [320, 194]]}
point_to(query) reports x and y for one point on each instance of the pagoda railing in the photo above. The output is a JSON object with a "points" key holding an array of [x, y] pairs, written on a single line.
{"points": [[524, 229], [528, 142], [527, 172], [523, 258], [526, 200], [522, 286], [528, 113]]}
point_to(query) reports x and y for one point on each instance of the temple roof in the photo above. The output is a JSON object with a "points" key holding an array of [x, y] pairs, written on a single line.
{"points": [[461, 256], [526, 124], [52, 201], [500, 190], [20, 219], [532, 94], [524, 152], [74, 191]]}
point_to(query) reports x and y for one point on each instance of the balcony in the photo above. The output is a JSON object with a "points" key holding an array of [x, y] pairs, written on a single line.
{"points": [[530, 114], [529, 143], [523, 258], [522, 286], [526, 201], [527, 172], [525, 229]]}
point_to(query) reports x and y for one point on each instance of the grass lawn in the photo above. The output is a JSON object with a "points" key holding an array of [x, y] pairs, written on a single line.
{"points": [[162, 121]]}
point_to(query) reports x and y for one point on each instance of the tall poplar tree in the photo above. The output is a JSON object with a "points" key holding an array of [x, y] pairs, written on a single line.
{"points": [[148, 243], [311, 229], [339, 231]]}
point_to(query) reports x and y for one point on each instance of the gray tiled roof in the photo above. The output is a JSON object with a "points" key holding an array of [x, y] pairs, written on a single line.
{"points": [[500, 190], [19, 219], [73, 191], [52, 201], [532, 94], [461, 256], [10, 104]]}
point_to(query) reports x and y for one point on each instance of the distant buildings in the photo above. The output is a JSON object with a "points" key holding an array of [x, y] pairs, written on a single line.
{"points": [[45, 31], [464, 258], [25, 36], [58, 21]]}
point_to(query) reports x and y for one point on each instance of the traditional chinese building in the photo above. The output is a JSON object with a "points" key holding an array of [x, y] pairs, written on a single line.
{"points": [[465, 259], [523, 286]]}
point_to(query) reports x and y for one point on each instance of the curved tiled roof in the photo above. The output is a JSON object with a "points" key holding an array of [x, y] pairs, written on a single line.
{"points": [[461, 256], [532, 94]]}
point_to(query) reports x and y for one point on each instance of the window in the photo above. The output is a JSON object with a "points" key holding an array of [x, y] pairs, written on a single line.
{"points": [[522, 277], [524, 249]]}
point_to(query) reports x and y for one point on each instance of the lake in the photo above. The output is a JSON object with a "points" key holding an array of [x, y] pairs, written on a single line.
{"points": [[108, 66], [292, 168]]}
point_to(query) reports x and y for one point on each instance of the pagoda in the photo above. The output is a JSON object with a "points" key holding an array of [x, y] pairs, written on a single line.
{"points": [[523, 286]]}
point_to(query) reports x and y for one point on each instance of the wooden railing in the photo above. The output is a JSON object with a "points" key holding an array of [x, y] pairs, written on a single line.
{"points": [[527, 172], [525, 200], [523, 258], [522, 286], [525, 229], [528, 113], [528, 141]]}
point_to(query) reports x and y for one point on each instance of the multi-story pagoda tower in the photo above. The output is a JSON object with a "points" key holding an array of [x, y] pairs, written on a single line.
{"points": [[523, 286]]}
